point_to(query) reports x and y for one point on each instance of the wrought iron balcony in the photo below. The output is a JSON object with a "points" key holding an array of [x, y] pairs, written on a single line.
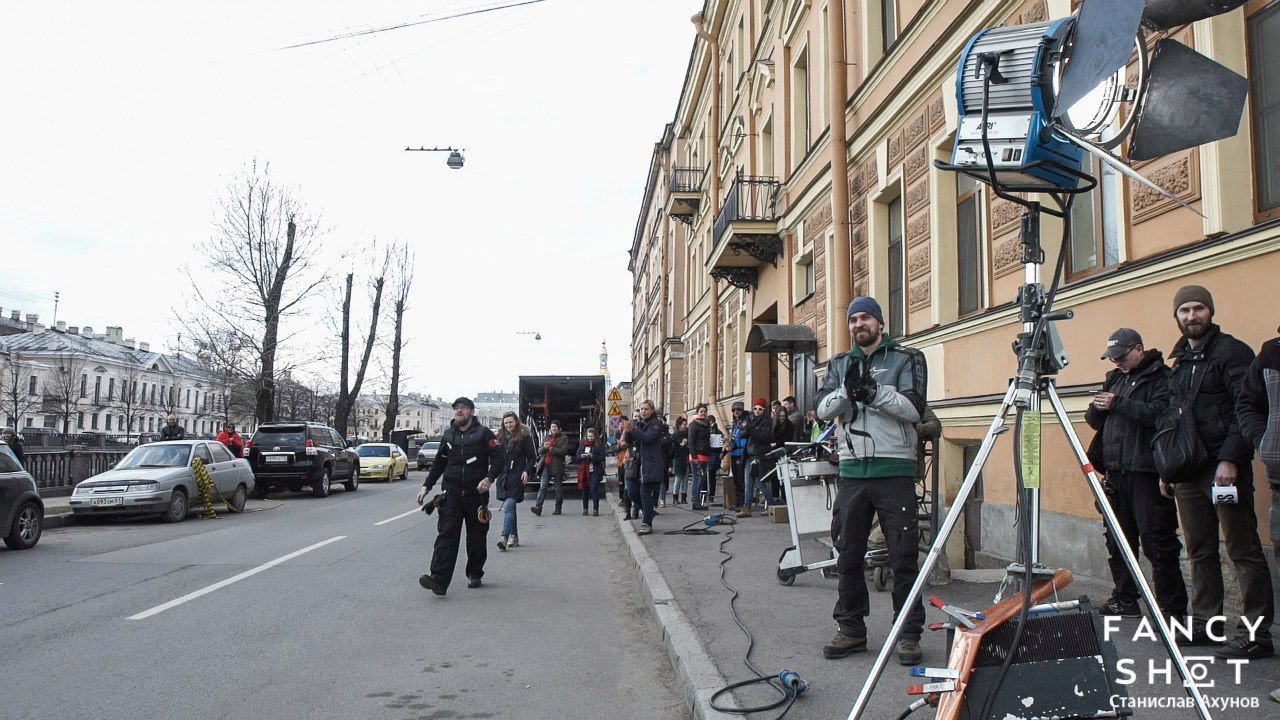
{"points": [[684, 193], [745, 232]]}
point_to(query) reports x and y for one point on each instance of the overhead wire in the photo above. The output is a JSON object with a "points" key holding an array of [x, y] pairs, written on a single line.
{"points": [[413, 23]]}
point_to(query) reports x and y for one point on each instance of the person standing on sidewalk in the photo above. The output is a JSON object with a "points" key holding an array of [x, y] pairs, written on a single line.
{"points": [[737, 456], [715, 443], [759, 432], [876, 391], [14, 442], [699, 453], [647, 435], [518, 459], [590, 456], [1208, 370], [1124, 416], [680, 461], [796, 417], [469, 459], [551, 468]]}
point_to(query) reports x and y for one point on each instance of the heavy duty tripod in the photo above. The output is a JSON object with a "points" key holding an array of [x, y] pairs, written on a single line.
{"points": [[1039, 359]]}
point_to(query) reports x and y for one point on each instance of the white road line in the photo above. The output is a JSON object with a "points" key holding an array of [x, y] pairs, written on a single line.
{"points": [[219, 585], [401, 515]]}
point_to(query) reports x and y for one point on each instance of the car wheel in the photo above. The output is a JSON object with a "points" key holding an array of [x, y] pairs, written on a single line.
{"points": [[238, 499], [321, 487], [404, 475], [27, 526], [177, 511], [353, 481]]}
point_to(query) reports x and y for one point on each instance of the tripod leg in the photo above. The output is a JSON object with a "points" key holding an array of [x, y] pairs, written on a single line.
{"points": [[939, 543], [1126, 552]]}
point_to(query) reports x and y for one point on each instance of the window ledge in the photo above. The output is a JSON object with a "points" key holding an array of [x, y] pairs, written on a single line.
{"points": [[804, 299]]}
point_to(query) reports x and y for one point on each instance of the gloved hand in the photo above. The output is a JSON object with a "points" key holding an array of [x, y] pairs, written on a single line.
{"points": [[853, 376], [866, 390]]}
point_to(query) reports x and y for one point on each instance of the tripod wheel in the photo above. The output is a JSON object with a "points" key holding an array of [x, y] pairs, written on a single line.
{"points": [[880, 578]]}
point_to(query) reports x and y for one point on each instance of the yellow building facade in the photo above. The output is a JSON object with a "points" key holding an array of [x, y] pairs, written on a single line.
{"points": [[798, 172]]}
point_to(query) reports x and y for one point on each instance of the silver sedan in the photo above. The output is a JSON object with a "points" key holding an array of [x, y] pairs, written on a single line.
{"points": [[157, 479]]}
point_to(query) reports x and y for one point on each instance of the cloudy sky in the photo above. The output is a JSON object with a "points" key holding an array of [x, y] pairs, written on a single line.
{"points": [[125, 122]]}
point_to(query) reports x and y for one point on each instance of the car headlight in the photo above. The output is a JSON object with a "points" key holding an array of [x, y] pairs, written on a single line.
{"points": [[83, 490], [379, 466], [144, 487]]}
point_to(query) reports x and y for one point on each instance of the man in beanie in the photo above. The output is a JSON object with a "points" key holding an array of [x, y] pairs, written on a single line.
{"points": [[1124, 415], [876, 392], [469, 459], [1208, 371]]}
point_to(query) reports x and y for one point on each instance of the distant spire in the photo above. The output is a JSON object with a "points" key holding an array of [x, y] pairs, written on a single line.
{"points": [[604, 359]]}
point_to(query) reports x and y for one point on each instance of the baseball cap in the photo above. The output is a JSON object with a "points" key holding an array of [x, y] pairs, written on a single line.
{"points": [[464, 402], [1121, 342]]}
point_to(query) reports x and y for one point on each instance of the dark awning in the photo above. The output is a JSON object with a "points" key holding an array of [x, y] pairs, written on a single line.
{"points": [[781, 339]]}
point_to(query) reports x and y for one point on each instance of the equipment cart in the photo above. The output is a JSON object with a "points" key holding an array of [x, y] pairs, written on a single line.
{"points": [[808, 477]]}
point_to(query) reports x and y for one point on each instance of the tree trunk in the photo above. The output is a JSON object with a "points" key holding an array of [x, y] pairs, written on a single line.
{"points": [[393, 397], [344, 395]]}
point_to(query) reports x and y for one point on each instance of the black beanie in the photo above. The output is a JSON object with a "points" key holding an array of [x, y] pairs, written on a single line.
{"points": [[1190, 293]]}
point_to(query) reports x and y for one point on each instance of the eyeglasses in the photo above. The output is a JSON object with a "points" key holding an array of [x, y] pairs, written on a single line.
{"points": [[757, 407]]}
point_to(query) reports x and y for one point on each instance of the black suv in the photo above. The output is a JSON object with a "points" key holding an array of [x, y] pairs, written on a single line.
{"points": [[293, 454]]}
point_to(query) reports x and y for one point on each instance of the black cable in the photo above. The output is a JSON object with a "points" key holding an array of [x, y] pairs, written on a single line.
{"points": [[398, 26]]}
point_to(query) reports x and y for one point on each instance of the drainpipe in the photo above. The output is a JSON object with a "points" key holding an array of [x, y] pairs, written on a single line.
{"points": [[664, 243], [840, 269], [713, 318]]}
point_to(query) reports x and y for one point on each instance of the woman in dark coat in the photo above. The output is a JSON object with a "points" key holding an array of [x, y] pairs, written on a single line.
{"points": [[590, 455], [646, 438], [519, 457], [680, 461]]}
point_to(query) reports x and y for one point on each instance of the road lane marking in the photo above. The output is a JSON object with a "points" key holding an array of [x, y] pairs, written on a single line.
{"points": [[401, 515], [237, 578]]}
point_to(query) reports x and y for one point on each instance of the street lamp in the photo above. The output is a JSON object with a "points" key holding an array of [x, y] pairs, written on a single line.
{"points": [[536, 335], [455, 160]]}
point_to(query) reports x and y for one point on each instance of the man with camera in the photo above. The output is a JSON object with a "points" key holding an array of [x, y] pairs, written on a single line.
{"points": [[876, 392], [469, 458], [1208, 370], [1124, 415]]}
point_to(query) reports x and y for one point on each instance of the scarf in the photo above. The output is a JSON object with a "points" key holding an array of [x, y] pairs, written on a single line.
{"points": [[584, 468]]}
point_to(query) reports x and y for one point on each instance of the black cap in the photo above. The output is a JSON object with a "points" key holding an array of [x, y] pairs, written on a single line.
{"points": [[1120, 343], [465, 402]]}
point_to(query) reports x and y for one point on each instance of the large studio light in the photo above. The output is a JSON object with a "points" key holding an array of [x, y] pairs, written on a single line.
{"points": [[1034, 98]]}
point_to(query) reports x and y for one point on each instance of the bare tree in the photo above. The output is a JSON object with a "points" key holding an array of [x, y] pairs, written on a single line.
{"points": [[348, 393], [16, 398], [263, 251], [402, 280], [128, 401], [63, 391]]}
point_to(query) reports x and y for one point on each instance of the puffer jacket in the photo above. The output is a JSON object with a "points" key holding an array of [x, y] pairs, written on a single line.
{"points": [[1218, 365], [1258, 408], [1128, 427], [881, 441], [699, 437], [465, 458]]}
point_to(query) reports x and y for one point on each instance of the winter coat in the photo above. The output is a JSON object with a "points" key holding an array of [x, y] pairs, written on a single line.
{"points": [[1258, 408], [597, 452], [233, 442], [739, 435], [1219, 365], [173, 432], [465, 458], [783, 433], [516, 461], [646, 438], [699, 437], [559, 445], [881, 441], [680, 462], [1128, 427], [759, 432]]}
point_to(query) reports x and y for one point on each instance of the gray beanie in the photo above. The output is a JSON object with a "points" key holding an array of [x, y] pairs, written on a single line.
{"points": [[866, 305], [1192, 293]]}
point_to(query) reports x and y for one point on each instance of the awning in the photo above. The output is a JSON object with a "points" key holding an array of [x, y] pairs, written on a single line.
{"points": [[781, 339]]}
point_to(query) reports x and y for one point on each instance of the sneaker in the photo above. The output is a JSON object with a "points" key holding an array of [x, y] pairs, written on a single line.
{"points": [[1242, 647], [596, 512], [432, 584], [698, 508], [644, 530], [909, 652], [662, 503], [1199, 637], [502, 543], [1116, 606], [536, 510], [554, 512], [844, 645], [473, 582], [513, 542]]}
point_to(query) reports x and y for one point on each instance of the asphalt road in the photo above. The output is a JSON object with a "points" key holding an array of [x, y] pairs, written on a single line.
{"points": [[310, 608]]}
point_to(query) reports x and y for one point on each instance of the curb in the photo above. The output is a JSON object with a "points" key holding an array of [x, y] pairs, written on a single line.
{"points": [[696, 673]]}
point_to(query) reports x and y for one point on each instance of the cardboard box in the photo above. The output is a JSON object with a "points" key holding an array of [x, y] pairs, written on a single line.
{"points": [[777, 513]]}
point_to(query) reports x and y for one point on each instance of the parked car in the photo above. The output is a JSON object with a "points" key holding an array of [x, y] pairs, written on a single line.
{"points": [[294, 455], [427, 453], [21, 509], [383, 461], [157, 478]]}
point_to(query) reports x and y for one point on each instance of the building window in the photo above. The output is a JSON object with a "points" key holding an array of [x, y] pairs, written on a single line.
{"points": [[79, 421], [800, 107], [84, 385], [1095, 231], [1264, 96], [93, 419], [969, 244], [151, 424], [107, 420], [888, 23], [188, 402], [111, 388], [31, 385], [897, 300], [97, 390]]}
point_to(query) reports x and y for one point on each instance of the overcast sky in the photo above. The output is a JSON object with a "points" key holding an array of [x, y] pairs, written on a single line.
{"points": [[125, 121]]}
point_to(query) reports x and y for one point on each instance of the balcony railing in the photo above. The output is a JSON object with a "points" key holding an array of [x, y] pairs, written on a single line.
{"points": [[751, 198], [686, 180]]}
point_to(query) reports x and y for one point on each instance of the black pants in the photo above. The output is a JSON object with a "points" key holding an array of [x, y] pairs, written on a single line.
{"points": [[709, 482], [460, 510], [738, 463], [858, 501], [1148, 521]]}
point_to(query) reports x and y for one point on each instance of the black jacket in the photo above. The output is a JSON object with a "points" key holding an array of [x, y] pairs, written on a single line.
{"points": [[1258, 407], [16, 446], [516, 461], [699, 437], [1218, 365], [645, 438], [465, 458], [173, 432], [784, 432], [1127, 428], [759, 435]]}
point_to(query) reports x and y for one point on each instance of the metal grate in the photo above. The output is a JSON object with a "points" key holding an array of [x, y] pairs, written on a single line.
{"points": [[1054, 637]]}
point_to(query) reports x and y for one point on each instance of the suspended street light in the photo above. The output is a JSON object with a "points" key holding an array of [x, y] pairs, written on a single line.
{"points": [[455, 160]]}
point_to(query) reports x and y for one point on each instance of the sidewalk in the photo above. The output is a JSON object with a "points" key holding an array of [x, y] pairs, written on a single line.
{"points": [[680, 576]]}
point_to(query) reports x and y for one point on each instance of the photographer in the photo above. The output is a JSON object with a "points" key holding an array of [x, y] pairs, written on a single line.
{"points": [[469, 458], [877, 392]]}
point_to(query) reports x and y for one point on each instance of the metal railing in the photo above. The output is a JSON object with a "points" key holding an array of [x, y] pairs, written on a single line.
{"points": [[686, 180], [61, 440], [751, 198], [57, 471]]}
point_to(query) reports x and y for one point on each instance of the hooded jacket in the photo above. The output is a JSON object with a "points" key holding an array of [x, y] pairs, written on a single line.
{"points": [[465, 458], [1258, 408], [881, 440], [1218, 365], [1128, 427], [699, 437]]}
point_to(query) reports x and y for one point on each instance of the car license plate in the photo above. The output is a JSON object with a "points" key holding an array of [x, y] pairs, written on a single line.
{"points": [[106, 502], [277, 458]]}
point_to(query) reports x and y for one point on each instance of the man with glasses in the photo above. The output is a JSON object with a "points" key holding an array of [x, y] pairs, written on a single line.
{"points": [[1124, 415]]}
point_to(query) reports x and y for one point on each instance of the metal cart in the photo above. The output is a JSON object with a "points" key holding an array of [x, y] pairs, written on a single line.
{"points": [[926, 513], [808, 479]]}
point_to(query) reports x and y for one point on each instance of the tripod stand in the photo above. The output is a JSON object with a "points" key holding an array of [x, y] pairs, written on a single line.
{"points": [[1038, 361]]}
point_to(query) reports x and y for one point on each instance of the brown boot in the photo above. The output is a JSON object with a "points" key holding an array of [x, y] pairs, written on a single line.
{"points": [[744, 512]]}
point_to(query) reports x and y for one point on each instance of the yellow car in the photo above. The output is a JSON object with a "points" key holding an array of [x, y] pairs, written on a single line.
{"points": [[382, 461]]}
